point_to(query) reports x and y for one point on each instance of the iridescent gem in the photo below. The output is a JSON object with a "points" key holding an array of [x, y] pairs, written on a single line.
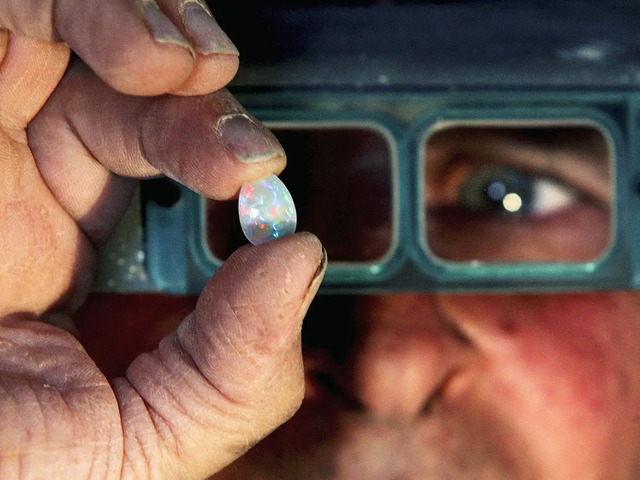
{"points": [[266, 210]]}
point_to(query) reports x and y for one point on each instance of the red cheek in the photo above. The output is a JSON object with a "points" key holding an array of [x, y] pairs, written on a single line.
{"points": [[562, 371], [548, 350]]}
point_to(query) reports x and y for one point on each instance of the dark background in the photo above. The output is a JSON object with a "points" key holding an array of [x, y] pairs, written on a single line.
{"points": [[450, 45]]}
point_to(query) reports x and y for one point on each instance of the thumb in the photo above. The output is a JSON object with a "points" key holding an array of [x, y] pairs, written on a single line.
{"points": [[231, 373]]}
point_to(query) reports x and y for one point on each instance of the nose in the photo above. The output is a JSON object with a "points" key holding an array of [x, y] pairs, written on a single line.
{"points": [[403, 353]]}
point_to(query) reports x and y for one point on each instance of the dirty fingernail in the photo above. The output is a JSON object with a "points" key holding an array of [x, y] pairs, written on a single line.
{"points": [[322, 266], [161, 28], [203, 30], [247, 139], [316, 280]]}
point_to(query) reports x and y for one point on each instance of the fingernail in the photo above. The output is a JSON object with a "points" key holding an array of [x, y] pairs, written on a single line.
{"points": [[316, 280], [203, 30], [161, 28], [322, 266], [247, 139]]}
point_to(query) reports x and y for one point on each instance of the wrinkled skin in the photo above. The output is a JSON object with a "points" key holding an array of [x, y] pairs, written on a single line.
{"points": [[197, 401], [467, 387], [397, 387], [411, 386]]}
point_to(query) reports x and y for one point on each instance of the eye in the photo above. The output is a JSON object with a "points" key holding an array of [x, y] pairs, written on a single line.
{"points": [[517, 195], [502, 190]]}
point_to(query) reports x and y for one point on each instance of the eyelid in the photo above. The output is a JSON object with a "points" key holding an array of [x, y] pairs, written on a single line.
{"points": [[567, 168], [449, 166]]}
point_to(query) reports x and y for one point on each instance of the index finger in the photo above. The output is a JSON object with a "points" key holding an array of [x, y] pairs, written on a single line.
{"points": [[138, 47], [208, 143]]}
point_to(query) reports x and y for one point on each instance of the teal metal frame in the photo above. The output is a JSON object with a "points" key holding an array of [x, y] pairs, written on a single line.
{"points": [[179, 261]]}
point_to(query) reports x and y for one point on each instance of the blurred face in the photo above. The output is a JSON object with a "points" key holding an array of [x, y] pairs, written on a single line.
{"points": [[434, 386], [465, 387]]}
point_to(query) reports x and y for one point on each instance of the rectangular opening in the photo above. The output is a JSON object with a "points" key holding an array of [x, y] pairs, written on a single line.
{"points": [[518, 192], [341, 180]]}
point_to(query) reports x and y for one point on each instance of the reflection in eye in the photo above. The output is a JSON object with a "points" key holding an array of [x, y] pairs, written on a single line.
{"points": [[495, 189]]}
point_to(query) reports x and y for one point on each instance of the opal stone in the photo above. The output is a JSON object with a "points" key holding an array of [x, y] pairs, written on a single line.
{"points": [[266, 210]]}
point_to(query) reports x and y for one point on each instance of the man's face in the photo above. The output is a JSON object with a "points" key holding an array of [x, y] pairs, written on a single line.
{"points": [[465, 387], [434, 386]]}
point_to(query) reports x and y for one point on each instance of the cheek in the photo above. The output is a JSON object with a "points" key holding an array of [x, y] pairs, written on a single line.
{"points": [[563, 368]]}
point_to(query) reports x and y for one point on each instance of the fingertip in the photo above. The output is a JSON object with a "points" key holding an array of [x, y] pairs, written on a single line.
{"points": [[149, 70], [307, 244], [133, 46], [211, 143], [280, 276], [299, 256], [210, 73], [248, 173], [258, 299], [235, 364]]}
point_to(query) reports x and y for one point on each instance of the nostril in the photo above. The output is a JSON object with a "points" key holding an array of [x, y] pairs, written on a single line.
{"points": [[454, 330], [395, 360], [323, 385], [402, 370], [439, 392]]}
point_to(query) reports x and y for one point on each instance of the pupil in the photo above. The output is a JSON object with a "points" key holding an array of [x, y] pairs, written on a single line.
{"points": [[509, 194], [496, 191]]}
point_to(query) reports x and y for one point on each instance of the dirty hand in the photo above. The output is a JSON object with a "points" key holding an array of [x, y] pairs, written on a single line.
{"points": [[73, 141]]}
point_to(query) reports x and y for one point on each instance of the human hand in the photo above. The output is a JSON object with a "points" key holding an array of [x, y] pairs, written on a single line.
{"points": [[232, 371]]}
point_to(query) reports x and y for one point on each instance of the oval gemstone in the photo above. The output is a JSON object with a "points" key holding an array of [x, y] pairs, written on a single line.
{"points": [[266, 210]]}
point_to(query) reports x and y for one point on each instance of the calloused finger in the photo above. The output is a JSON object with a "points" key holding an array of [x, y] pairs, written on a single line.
{"points": [[213, 48], [136, 46], [229, 375], [233, 370], [88, 138]]}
